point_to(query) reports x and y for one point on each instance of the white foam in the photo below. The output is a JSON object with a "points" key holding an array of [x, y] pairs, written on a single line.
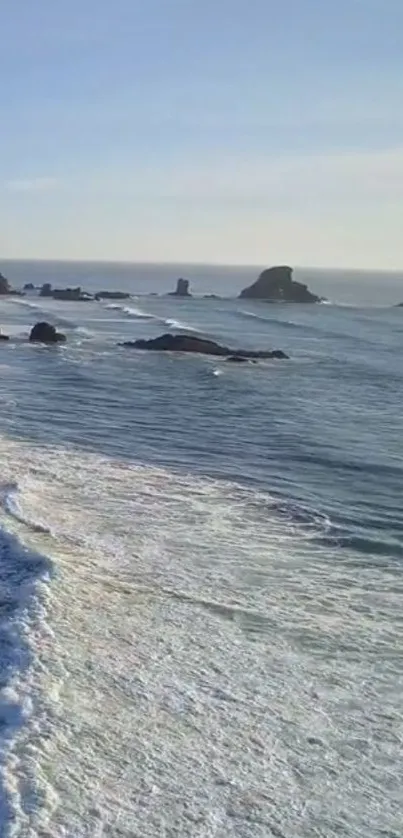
{"points": [[177, 324], [130, 311], [205, 650]]}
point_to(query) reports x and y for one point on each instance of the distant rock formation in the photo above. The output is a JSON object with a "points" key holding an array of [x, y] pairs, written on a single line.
{"points": [[4, 285], [45, 333], [29, 286], [277, 285], [399, 305], [190, 343], [112, 295], [4, 337], [182, 289], [73, 294]]}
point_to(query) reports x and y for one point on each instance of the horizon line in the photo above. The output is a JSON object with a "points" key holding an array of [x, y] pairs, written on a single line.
{"points": [[196, 264]]}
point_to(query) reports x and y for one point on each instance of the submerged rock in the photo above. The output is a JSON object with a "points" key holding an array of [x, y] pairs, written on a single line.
{"points": [[277, 285], [45, 333], [112, 295], [191, 343], [182, 289], [238, 359]]}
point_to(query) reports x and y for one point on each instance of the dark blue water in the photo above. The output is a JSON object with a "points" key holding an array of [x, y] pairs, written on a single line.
{"points": [[320, 436]]}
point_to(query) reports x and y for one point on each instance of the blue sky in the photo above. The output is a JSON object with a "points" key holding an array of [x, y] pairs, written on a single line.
{"points": [[233, 131]]}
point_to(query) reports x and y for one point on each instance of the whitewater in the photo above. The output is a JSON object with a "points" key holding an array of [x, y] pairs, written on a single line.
{"points": [[201, 569]]}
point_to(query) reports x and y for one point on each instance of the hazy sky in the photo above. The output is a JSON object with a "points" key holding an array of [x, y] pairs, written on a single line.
{"points": [[235, 131]]}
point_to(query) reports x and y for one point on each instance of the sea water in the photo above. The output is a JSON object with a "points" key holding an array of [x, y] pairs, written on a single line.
{"points": [[201, 563]]}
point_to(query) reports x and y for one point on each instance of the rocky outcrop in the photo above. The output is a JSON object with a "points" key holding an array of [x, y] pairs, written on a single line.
{"points": [[4, 337], [4, 285], [46, 290], [182, 289], [191, 343], [45, 333], [112, 295], [277, 285], [29, 286], [72, 294]]}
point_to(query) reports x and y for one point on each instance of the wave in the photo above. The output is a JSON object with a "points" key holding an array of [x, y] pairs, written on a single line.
{"points": [[130, 311], [139, 314], [177, 324], [9, 499], [24, 574]]}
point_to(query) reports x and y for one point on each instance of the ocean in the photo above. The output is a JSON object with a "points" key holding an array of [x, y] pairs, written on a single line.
{"points": [[201, 587]]}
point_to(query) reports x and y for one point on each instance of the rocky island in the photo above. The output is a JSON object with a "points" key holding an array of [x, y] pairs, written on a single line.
{"points": [[191, 343], [182, 289], [277, 285]]}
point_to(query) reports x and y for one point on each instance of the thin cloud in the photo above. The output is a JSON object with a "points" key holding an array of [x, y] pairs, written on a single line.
{"points": [[36, 184]]}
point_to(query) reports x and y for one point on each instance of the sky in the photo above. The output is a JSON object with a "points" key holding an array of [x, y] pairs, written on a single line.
{"points": [[221, 131]]}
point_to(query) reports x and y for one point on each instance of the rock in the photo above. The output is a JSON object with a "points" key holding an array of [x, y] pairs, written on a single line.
{"points": [[46, 290], [4, 285], [73, 294], [29, 286], [399, 305], [211, 297], [45, 333], [191, 343], [112, 295], [237, 359], [277, 285], [4, 337], [182, 289]]}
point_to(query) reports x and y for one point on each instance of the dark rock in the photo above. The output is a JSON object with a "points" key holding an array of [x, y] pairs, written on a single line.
{"points": [[112, 295], [399, 305], [4, 337], [277, 285], [191, 343], [29, 286], [73, 294], [4, 285], [211, 296], [46, 290], [237, 359], [182, 289], [45, 333], [5, 288]]}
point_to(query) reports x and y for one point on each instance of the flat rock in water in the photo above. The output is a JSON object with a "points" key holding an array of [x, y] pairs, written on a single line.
{"points": [[191, 343]]}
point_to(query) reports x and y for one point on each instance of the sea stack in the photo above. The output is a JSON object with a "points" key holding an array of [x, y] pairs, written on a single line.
{"points": [[277, 285], [182, 289], [45, 333], [4, 285]]}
